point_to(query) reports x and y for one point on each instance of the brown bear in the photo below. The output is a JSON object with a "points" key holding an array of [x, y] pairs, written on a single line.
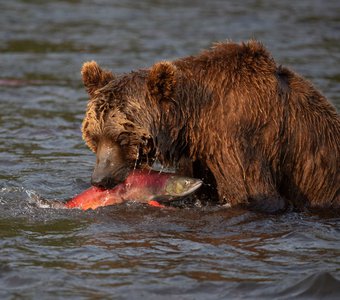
{"points": [[257, 133]]}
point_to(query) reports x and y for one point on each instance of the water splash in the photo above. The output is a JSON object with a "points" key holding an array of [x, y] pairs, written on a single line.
{"points": [[35, 199]]}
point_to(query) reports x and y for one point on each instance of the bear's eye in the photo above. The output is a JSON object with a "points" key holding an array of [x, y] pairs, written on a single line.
{"points": [[129, 126], [123, 138]]}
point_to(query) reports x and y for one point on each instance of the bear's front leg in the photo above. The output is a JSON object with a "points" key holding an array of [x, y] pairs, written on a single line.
{"points": [[261, 186], [267, 203], [248, 185]]}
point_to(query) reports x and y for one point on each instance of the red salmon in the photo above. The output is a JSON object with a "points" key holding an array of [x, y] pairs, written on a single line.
{"points": [[141, 185]]}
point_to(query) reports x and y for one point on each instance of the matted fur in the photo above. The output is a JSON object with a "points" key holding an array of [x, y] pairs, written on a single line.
{"points": [[259, 132]]}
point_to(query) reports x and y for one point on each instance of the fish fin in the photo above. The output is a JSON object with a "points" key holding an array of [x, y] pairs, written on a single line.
{"points": [[163, 198], [155, 204]]}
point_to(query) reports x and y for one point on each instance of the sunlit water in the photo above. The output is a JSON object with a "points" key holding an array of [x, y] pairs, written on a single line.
{"points": [[131, 250]]}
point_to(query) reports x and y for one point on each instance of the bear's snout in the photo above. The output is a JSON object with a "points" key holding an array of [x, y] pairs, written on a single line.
{"points": [[111, 169], [108, 180], [101, 181]]}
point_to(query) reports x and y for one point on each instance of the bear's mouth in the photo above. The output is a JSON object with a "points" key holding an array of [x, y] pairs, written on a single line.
{"points": [[108, 181]]}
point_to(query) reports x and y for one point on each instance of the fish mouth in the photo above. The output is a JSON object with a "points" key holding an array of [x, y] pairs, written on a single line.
{"points": [[195, 184]]}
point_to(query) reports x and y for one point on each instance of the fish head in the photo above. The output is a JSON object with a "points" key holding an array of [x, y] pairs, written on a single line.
{"points": [[178, 186]]}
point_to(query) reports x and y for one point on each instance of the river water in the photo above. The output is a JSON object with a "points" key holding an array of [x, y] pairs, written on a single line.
{"points": [[131, 251]]}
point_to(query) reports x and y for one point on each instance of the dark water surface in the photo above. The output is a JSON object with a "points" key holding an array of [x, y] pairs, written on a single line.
{"points": [[132, 251]]}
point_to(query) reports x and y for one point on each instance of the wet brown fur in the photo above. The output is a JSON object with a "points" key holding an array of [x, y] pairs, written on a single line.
{"points": [[259, 132]]}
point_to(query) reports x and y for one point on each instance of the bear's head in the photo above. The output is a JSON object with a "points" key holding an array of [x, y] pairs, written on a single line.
{"points": [[126, 117]]}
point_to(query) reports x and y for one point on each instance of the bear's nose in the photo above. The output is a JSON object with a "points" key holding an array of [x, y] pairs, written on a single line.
{"points": [[104, 182]]}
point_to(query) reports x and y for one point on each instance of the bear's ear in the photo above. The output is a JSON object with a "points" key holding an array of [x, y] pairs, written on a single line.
{"points": [[94, 77], [162, 80]]}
